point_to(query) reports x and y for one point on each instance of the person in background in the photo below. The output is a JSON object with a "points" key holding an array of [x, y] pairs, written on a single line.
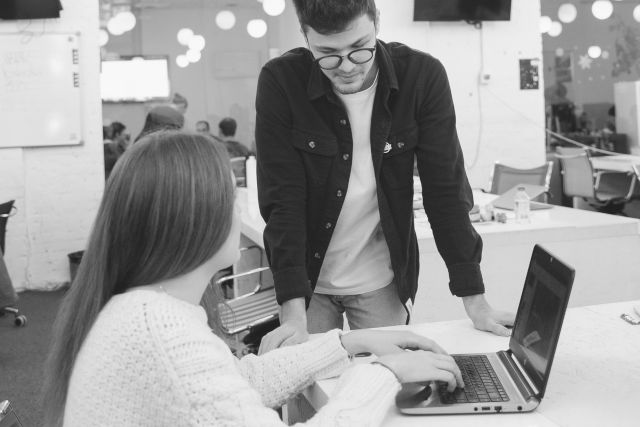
{"points": [[162, 117], [180, 103], [227, 133], [115, 146], [338, 126], [203, 127], [131, 344]]}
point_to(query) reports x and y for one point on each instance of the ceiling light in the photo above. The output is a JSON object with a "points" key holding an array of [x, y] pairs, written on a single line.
{"points": [[594, 52], [567, 13], [555, 30], [602, 9], [197, 42], [545, 24], [115, 26], [127, 20], [273, 7], [257, 28], [193, 55], [182, 61], [636, 13], [103, 37], [225, 19], [184, 35]]}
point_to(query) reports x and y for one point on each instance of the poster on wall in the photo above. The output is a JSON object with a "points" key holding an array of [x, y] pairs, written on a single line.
{"points": [[529, 74]]}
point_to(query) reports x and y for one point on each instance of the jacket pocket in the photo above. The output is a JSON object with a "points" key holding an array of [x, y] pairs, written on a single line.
{"points": [[317, 154], [399, 157]]}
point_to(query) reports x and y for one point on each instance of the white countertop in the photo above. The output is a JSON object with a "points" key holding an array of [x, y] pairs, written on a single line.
{"points": [[595, 377]]}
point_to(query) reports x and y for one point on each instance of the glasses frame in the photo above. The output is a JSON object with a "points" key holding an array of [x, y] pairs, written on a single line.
{"points": [[372, 50]]}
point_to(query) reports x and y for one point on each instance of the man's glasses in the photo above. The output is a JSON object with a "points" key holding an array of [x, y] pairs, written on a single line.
{"points": [[358, 56]]}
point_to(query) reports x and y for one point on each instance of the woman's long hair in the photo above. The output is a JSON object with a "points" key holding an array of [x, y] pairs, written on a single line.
{"points": [[167, 208]]}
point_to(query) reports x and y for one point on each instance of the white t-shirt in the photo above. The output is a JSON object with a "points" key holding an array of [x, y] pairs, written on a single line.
{"points": [[358, 260]]}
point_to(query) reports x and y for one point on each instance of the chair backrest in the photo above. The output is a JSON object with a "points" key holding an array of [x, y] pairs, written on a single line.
{"points": [[238, 164], [506, 177], [8, 417], [577, 172], [5, 213]]}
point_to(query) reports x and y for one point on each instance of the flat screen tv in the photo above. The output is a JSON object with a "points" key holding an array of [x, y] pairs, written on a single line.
{"points": [[462, 10], [29, 9], [135, 79]]}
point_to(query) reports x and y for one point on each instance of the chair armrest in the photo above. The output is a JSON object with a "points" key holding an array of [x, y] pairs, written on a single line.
{"points": [[258, 270]]}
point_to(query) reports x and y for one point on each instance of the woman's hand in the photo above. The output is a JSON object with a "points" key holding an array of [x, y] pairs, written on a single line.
{"points": [[423, 366], [387, 342]]}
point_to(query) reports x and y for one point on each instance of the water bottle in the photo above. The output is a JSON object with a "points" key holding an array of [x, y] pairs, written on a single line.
{"points": [[522, 205], [252, 187]]}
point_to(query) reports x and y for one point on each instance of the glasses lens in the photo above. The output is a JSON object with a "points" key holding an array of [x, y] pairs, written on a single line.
{"points": [[329, 62], [360, 56]]}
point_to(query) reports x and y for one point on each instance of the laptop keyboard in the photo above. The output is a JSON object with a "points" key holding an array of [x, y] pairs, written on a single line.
{"points": [[480, 380]]}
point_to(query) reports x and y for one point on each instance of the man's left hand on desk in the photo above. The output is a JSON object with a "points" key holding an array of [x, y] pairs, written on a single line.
{"points": [[486, 318]]}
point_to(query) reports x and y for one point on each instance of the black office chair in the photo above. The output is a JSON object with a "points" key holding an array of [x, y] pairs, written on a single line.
{"points": [[580, 180], [7, 210]]}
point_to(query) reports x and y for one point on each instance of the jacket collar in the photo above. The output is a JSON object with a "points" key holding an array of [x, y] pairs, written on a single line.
{"points": [[320, 85]]}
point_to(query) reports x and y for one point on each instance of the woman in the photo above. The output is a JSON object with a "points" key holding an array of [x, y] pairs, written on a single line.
{"points": [[131, 345]]}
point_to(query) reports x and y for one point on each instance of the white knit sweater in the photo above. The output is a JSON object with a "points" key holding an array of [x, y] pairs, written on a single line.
{"points": [[151, 360]]}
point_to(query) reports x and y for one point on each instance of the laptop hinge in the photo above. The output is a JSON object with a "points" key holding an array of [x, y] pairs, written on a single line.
{"points": [[519, 376]]}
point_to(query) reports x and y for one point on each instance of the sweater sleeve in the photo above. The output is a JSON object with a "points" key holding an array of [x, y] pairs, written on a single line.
{"points": [[207, 379], [303, 364]]}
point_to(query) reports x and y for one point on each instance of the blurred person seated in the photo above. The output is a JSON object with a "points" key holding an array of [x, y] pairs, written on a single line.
{"points": [[203, 127], [162, 117], [116, 142], [226, 133]]}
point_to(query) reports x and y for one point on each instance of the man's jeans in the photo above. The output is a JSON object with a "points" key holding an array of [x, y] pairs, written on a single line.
{"points": [[378, 308]]}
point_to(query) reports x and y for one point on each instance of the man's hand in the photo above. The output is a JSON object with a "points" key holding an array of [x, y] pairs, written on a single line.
{"points": [[292, 329], [485, 318]]}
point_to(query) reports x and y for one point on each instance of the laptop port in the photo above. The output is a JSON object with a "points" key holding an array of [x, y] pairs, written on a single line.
{"points": [[498, 408], [486, 408]]}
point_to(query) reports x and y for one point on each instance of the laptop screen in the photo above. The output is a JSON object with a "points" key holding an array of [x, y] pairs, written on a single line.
{"points": [[540, 314]]}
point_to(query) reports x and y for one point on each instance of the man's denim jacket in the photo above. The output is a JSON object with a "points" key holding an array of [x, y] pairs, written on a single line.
{"points": [[304, 153]]}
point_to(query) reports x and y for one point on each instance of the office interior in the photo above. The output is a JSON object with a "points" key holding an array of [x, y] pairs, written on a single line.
{"points": [[558, 74]]}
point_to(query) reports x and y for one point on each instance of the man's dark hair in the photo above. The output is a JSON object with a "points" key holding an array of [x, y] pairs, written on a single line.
{"points": [[117, 128], [332, 16], [228, 126], [205, 123]]}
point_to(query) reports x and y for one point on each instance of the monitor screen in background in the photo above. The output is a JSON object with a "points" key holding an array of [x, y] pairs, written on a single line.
{"points": [[462, 10], [134, 80]]}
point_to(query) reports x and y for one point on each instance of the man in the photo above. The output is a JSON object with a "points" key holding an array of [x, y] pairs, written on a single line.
{"points": [[226, 133], [203, 127], [338, 127]]}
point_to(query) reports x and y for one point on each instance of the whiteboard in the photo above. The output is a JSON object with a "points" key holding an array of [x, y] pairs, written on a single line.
{"points": [[39, 90]]}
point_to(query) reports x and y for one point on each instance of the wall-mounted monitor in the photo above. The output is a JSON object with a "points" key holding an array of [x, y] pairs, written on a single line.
{"points": [[30, 9], [135, 79], [462, 10]]}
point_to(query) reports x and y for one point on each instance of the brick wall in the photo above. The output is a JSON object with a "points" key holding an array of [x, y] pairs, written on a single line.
{"points": [[57, 189]]}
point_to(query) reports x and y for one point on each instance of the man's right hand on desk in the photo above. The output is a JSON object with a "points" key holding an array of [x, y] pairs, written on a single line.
{"points": [[292, 329]]}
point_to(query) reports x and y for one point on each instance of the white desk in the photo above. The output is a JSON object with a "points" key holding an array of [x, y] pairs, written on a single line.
{"points": [[616, 163], [595, 377], [604, 250]]}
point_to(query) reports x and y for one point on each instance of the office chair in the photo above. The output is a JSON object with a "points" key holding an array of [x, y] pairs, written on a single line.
{"points": [[8, 417], [247, 318], [580, 180], [504, 178], [7, 210]]}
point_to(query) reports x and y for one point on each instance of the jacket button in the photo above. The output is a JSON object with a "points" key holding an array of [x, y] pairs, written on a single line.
{"points": [[327, 225], [400, 144], [345, 156], [343, 122], [316, 255], [312, 144], [339, 193]]}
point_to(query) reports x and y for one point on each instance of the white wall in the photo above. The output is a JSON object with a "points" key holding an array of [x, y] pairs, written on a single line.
{"points": [[57, 189], [497, 121]]}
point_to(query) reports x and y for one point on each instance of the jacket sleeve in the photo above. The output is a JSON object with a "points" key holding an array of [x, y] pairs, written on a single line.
{"points": [[281, 190], [446, 191]]}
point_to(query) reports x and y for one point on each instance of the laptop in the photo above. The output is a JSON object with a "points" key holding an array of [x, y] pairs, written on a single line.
{"points": [[506, 199], [513, 380]]}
